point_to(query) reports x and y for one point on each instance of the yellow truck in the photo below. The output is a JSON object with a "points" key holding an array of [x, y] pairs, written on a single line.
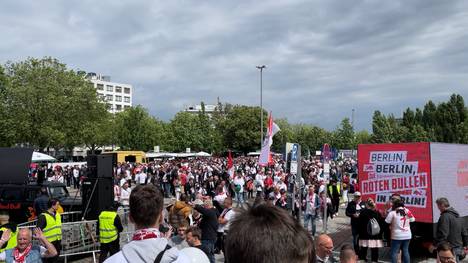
{"points": [[128, 156]]}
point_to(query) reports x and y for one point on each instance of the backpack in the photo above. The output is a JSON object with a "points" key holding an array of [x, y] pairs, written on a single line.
{"points": [[373, 227]]}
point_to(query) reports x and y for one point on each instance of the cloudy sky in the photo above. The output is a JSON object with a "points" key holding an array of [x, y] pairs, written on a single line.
{"points": [[324, 58]]}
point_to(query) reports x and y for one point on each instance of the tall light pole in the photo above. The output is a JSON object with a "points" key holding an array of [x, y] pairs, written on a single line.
{"points": [[261, 103]]}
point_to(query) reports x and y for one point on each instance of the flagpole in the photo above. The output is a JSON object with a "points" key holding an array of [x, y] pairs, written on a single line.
{"points": [[261, 103]]}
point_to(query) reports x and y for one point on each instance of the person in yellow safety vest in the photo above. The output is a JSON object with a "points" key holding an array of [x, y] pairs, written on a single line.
{"points": [[109, 228], [334, 192], [6, 225], [50, 223]]}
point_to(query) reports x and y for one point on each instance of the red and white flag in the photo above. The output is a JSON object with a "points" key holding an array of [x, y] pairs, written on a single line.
{"points": [[230, 165], [265, 154]]}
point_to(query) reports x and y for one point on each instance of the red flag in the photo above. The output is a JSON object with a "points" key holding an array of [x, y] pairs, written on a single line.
{"points": [[230, 166]]}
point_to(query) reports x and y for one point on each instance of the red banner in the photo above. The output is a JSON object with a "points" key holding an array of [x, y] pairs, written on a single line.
{"points": [[405, 168]]}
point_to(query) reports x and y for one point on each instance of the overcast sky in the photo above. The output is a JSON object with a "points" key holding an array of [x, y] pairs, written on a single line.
{"points": [[324, 58]]}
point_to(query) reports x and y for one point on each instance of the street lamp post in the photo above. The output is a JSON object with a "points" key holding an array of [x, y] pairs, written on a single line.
{"points": [[261, 103]]}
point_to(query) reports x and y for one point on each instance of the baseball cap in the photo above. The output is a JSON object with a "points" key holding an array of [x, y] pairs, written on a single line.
{"points": [[357, 193]]}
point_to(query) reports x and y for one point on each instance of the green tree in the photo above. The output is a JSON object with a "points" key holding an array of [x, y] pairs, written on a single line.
{"points": [[7, 128], [381, 129], [430, 120], [99, 133], [409, 119], [343, 136], [362, 137], [186, 132], [311, 138], [135, 129], [240, 128], [51, 103]]}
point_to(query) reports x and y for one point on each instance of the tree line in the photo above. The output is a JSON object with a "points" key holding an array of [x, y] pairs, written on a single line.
{"points": [[43, 105], [445, 122]]}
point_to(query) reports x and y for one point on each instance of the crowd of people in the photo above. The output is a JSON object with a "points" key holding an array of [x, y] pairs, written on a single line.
{"points": [[206, 213]]}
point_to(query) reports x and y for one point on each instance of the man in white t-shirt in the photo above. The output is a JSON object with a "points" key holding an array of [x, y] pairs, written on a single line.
{"points": [[239, 183], [140, 177], [224, 221]]}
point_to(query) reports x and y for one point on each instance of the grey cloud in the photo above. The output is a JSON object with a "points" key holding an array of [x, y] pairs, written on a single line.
{"points": [[324, 58]]}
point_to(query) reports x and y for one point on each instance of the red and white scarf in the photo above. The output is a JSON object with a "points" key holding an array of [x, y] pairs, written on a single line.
{"points": [[146, 233], [20, 257]]}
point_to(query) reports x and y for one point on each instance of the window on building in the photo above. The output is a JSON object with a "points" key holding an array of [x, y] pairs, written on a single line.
{"points": [[118, 98], [109, 106], [127, 99], [127, 90], [110, 88], [126, 107], [109, 97], [118, 89], [99, 86], [118, 107]]}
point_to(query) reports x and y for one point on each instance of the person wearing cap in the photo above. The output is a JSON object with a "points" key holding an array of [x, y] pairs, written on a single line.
{"points": [[352, 210], [109, 228]]}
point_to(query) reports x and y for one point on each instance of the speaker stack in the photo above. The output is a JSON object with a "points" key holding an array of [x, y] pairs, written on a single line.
{"points": [[98, 187]]}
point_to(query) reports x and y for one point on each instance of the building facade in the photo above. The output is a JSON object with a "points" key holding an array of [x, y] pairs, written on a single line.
{"points": [[118, 96]]}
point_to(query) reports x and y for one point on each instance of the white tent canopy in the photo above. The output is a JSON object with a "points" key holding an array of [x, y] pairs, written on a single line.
{"points": [[41, 157], [203, 154]]}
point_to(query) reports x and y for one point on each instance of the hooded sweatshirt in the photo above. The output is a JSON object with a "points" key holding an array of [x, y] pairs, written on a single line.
{"points": [[449, 228], [144, 251]]}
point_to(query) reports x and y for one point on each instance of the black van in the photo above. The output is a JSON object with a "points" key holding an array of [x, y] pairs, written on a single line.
{"points": [[19, 199]]}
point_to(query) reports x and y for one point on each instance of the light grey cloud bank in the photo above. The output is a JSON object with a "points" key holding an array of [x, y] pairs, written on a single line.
{"points": [[324, 58]]}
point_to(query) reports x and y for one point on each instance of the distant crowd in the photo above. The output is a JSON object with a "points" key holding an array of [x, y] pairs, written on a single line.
{"points": [[246, 212]]}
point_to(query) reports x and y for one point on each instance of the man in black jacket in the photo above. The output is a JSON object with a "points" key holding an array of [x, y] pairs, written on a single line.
{"points": [[352, 211], [40, 203], [450, 228], [208, 226]]}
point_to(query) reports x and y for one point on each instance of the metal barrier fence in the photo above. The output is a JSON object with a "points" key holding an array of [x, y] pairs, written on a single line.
{"points": [[66, 218], [80, 237]]}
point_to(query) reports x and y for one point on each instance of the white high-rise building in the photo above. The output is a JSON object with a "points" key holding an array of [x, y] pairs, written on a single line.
{"points": [[117, 95]]}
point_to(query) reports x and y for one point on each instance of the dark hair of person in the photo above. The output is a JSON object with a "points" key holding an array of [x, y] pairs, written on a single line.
{"points": [[444, 246], [347, 252], [52, 202], [397, 204], [183, 198], [265, 233], [146, 204], [196, 232], [444, 202]]}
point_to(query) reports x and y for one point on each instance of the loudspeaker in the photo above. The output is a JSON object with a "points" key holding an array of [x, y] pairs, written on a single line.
{"points": [[15, 165], [91, 164], [105, 166], [100, 199], [100, 166]]}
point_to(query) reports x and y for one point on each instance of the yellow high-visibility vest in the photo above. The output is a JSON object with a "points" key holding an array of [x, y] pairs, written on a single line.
{"points": [[338, 188], [11, 242], [107, 230], [53, 229]]}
